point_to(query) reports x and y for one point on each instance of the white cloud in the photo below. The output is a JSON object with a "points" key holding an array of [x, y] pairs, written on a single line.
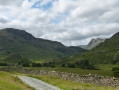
{"points": [[72, 22]]}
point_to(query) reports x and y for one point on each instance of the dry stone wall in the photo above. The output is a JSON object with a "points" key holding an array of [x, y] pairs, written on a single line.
{"points": [[91, 79]]}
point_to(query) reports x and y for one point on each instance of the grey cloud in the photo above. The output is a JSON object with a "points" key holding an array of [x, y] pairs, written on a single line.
{"points": [[10, 2], [3, 20]]}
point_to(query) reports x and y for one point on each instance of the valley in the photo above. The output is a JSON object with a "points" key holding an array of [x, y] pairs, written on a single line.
{"points": [[19, 49]]}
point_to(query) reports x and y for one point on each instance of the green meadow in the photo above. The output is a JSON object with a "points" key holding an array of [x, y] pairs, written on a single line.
{"points": [[9, 82]]}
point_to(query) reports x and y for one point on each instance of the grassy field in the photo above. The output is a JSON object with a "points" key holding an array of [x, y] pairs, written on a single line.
{"points": [[106, 67], [8, 82], [76, 70], [68, 85]]}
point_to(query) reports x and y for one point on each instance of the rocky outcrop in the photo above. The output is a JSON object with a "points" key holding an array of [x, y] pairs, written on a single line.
{"points": [[91, 78]]}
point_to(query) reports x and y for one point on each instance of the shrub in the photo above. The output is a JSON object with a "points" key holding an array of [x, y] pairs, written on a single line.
{"points": [[45, 64], [3, 64], [26, 65], [116, 73], [63, 65], [70, 65], [36, 65], [115, 69], [84, 64]]}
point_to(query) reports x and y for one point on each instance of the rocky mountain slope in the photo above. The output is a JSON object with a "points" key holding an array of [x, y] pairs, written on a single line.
{"points": [[93, 43]]}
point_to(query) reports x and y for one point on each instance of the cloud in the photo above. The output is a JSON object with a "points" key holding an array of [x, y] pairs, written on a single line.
{"points": [[10, 2], [3, 20], [71, 22]]}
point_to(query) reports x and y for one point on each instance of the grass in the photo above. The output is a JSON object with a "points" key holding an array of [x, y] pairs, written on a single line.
{"points": [[68, 85], [3, 66], [106, 67], [8, 82], [76, 70]]}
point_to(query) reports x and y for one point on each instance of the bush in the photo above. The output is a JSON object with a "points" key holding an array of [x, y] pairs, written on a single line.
{"points": [[39, 65], [84, 64], [63, 65], [36, 65], [70, 65], [116, 73], [3, 64], [26, 65], [45, 64], [115, 69], [52, 66]]}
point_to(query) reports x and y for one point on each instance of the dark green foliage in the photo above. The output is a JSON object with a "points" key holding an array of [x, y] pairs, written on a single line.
{"points": [[115, 69], [71, 65], [39, 65], [52, 66], [84, 64], [116, 73], [26, 65], [3, 64], [63, 65], [36, 65], [23, 43], [45, 64]]}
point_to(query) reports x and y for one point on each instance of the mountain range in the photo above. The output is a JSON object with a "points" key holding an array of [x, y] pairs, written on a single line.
{"points": [[105, 53], [22, 43]]}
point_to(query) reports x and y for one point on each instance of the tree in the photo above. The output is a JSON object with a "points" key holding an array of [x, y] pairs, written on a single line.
{"points": [[116, 73], [45, 64], [26, 65], [115, 69], [38, 65], [70, 65], [84, 64], [34, 65], [3, 64], [63, 65]]}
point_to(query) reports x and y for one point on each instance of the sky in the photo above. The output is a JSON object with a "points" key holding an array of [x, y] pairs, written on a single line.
{"points": [[72, 22]]}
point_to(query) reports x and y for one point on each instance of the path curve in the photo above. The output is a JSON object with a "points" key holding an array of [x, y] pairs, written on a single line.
{"points": [[37, 84]]}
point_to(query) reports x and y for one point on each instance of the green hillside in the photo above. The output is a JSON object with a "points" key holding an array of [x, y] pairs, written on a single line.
{"points": [[16, 58], [105, 53], [25, 44]]}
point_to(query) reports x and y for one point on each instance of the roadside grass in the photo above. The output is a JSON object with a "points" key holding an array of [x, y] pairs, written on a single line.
{"points": [[8, 82], [68, 85], [75, 70]]}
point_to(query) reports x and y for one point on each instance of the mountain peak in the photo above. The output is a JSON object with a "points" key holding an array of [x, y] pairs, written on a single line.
{"points": [[93, 43], [17, 32]]}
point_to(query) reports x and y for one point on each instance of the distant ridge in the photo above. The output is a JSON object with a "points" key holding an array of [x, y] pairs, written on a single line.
{"points": [[22, 43], [105, 53]]}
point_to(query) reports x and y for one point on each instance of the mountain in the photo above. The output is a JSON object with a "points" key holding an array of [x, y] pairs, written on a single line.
{"points": [[93, 43], [106, 53], [22, 43]]}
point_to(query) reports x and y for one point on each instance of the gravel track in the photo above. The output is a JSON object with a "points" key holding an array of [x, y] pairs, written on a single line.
{"points": [[37, 84]]}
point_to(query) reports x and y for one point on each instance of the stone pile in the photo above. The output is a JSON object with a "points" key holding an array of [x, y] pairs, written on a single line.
{"points": [[91, 78]]}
